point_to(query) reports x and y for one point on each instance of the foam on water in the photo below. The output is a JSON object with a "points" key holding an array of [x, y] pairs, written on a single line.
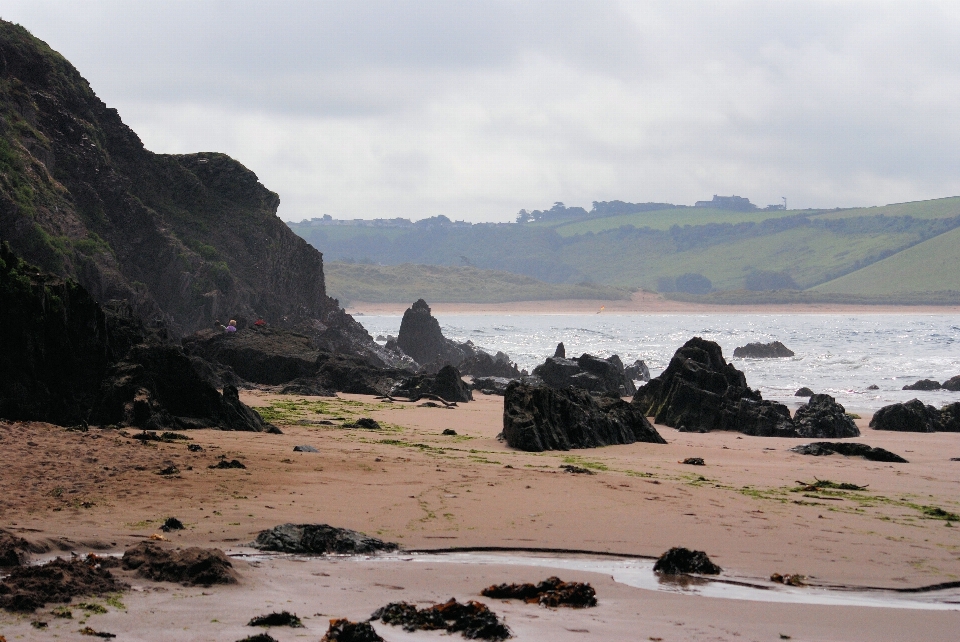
{"points": [[839, 354]]}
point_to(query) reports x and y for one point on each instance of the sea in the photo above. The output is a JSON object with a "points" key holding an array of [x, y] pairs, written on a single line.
{"points": [[838, 354]]}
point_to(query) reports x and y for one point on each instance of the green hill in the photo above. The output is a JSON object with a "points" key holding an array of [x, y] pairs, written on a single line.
{"points": [[931, 266], [350, 282]]}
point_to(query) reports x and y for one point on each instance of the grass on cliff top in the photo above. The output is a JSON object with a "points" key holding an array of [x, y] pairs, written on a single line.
{"points": [[451, 284]]}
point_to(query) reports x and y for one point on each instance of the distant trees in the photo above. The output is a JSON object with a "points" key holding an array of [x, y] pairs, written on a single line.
{"points": [[760, 280]]}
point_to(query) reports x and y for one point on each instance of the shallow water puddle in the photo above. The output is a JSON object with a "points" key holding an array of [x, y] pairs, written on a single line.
{"points": [[638, 573]]}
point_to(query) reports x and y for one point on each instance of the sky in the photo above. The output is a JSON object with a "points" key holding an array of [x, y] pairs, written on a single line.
{"points": [[475, 110]]}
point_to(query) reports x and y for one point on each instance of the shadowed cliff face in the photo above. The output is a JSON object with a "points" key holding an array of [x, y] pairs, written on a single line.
{"points": [[185, 238]]}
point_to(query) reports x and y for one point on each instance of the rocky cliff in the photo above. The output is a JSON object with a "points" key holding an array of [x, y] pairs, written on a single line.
{"points": [[186, 239]]}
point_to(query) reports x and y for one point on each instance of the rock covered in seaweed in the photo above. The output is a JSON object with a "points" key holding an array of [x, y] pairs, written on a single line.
{"points": [[190, 566], [551, 592], [474, 620], [679, 560], [318, 539], [538, 418]]}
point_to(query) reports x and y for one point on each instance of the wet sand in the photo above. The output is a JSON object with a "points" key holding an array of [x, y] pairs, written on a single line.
{"points": [[410, 484], [643, 302]]}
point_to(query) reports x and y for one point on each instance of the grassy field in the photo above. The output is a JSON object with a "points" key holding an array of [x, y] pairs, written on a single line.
{"points": [[665, 219], [936, 208], [931, 266], [449, 284]]}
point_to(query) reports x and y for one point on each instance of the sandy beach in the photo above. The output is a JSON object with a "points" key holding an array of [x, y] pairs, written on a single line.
{"points": [[408, 483], [643, 302]]}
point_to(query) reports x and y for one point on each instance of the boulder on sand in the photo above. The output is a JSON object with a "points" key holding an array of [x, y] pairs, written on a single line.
{"points": [[923, 384], [190, 566], [912, 416], [588, 373], [14, 550], [538, 418], [318, 539], [847, 449], [772, 350], [699, 392], [446, 384], [823, 418], [950, 417]]}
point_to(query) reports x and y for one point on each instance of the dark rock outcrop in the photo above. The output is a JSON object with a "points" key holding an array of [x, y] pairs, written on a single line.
{"points": [[912, 416], [952, 384], [538, 418], [190, 566], [318, 539], [420, 337], [560, 352], [491, 385], [772, 350], [680, 560], [699, 392], [803, 392], [822, 417], [950, 417], [821, 448], [587, 373], [638, 371], [446, 384], [65, 359], [923, 384]]}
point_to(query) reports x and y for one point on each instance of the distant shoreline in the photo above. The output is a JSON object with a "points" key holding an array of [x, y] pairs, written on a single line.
{"points": [[645, 303]]}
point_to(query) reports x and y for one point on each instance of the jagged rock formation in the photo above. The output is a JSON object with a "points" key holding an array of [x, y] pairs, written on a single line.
{"points": [[699, 392], [772, 350], [65, 360], [823, 417], [588, 373], [912, 416], [278, 357], [446, 384], [186, 239], [421, 339], [923, 384], [560, 352], [822, 448], [538, 418]]}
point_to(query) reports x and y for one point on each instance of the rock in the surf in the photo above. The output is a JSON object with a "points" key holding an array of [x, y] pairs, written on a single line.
{"points": [[538, 418], [638, 371], [952, 384], [823, 448], [923, 384], [772, 350], [912, 416], [803, 392], [318, 539], [560, 352], [699, 392], [822, 417]]}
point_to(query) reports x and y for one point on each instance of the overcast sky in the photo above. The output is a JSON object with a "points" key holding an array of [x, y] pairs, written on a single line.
{"points": [[477, 109]]}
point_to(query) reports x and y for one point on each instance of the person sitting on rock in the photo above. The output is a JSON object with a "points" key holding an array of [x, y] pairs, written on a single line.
{"points": [[232, 326], [219, 326]]}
